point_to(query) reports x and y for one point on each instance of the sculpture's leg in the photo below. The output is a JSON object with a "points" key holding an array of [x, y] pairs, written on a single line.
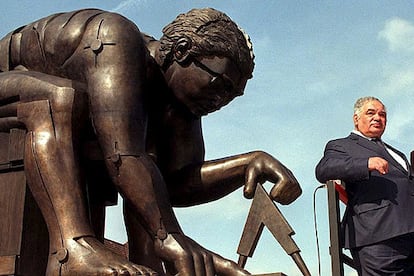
{"points": [[54, 179], [140, 244], [117, 79]]}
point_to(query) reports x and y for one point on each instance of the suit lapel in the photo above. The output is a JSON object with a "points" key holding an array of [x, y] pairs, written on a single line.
{"points": [[381, 151], [366, 143]]}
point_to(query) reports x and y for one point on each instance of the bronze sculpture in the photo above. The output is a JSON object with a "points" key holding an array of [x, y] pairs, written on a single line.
{"points": [[88, 75]]}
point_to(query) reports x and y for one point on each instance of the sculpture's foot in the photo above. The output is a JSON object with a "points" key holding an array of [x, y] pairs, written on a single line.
{"points": [[86, 256]]}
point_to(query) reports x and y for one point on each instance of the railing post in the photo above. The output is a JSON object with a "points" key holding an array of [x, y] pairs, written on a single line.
{"points": [[335, 249]]}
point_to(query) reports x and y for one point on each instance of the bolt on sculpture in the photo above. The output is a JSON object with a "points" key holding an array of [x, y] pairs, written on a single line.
{"points": [[91, 77]]}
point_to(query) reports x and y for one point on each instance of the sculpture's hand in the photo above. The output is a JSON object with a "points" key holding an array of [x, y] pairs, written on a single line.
{"points": [[263, 168], [188, 258]]}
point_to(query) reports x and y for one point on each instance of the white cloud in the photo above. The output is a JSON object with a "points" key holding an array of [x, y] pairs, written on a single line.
{"points": [[127, 5], [399, 34], [400, 81]]}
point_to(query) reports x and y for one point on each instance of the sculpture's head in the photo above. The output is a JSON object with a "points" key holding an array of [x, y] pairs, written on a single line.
{"points": [[207, 59]]}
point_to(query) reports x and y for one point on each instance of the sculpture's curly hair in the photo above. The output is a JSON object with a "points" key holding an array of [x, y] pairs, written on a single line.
{"points": [[212, 33]]}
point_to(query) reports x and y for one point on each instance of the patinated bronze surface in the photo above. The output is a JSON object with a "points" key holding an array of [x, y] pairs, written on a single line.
{"points": [[264, 212], [90, 77]]}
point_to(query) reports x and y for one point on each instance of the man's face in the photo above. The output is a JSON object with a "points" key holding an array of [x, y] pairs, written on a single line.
{"points": [[207, 84], [372, 120]]}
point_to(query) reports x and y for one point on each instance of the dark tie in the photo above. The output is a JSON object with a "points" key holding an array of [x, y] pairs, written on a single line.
{"points": [[379, 142], [381, 145]]}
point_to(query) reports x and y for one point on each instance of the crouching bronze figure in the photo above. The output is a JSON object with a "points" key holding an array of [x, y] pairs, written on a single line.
{"points": [[91, 77]]}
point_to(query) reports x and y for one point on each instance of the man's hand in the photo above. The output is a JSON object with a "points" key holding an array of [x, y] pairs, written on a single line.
{"points": [[263, 168], [378, 164], [184, 257]]}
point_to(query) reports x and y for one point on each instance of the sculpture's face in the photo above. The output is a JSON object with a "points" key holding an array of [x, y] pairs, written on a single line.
{"points": [[372, 120], [206, 84]]}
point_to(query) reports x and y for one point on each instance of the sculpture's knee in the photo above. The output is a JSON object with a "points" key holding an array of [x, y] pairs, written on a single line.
{"points": [[63, 96], [37, 118], [50, 110], [37, 107]]}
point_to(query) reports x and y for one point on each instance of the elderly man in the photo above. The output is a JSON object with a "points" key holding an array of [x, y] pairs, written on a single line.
{"points": [[91, 74], [378, 222]]}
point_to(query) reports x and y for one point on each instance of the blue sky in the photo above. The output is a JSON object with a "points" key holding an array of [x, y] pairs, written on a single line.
{"points": [[313, 59]]}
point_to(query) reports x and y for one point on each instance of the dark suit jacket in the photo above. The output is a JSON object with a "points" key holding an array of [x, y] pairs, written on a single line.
{"points": [[379, 206]]}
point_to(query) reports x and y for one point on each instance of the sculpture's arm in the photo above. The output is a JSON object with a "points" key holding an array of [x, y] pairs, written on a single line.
{"points": [[217, 178], [116, 80]]}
